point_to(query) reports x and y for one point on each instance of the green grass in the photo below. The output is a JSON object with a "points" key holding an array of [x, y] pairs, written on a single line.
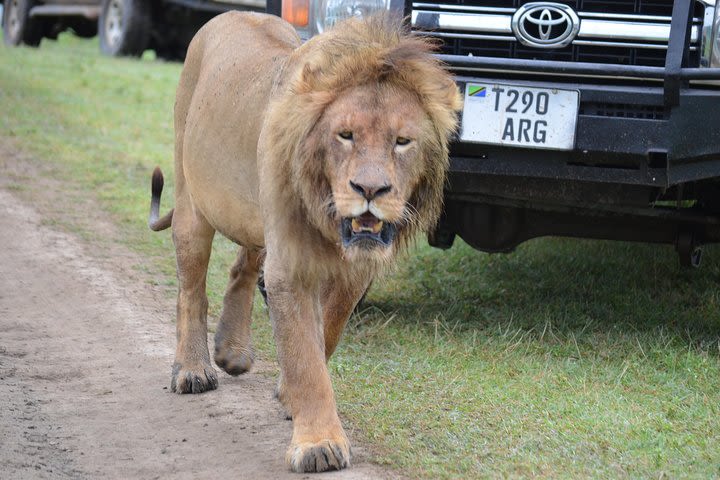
{"points": [[564, 359]]}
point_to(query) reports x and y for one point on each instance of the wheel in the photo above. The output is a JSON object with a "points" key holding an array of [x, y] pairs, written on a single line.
{"points": [[124, 27], [689, 250], [18, 27]]}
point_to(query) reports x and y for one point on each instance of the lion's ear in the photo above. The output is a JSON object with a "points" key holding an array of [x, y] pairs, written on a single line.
{"points": [[444, 91], [453, 98], [444, 102], [308, 79]]}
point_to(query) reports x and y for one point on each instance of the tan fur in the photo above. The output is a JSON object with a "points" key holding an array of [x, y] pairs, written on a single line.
{"points": [[259, 157]]}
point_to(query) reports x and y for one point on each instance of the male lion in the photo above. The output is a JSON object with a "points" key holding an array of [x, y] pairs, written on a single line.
{"points": [[319, 159]]}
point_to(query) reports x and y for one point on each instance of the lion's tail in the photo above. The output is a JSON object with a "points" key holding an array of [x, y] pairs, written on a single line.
{"points": [[156, 224]]}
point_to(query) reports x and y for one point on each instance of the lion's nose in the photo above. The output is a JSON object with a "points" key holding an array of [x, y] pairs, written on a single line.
{"points": [[370, 192]]}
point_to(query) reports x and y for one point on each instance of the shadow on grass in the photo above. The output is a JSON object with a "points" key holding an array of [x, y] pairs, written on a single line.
{"points": [[574, 287]]}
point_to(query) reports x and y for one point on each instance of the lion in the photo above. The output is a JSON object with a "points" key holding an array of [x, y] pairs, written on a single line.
{"points": [[321, 160]]}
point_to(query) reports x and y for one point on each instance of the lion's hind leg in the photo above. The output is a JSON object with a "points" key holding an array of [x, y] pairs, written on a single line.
{"points": [[193, 235], [233, 349], [338, 302]]}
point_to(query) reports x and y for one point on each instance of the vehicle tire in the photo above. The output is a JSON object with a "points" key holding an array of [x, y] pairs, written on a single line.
{"points": [[18, 27], [124, 27]]}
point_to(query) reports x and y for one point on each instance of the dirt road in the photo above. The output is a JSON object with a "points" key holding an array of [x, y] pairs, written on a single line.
{"points": [[85, 354]]}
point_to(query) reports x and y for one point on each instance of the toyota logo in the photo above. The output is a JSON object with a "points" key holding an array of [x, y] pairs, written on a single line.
{"points": [[545, 25]]}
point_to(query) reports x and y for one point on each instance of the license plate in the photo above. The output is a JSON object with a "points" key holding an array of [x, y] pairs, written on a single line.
{"points": [[520, 116]]}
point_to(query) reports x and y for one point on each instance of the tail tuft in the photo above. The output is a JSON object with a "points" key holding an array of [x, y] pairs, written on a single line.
{"points": [[154, 222], [158, 182]]}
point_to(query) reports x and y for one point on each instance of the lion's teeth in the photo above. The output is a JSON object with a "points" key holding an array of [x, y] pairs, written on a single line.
{"points": [[359, 226]]}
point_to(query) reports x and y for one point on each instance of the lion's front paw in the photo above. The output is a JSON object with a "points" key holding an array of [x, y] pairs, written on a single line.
{"points": [[319, 457], [187, 380], [232, 361], [233, 353]]}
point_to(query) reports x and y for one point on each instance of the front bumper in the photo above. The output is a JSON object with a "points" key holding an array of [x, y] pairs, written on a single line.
{"points": [[625, 135], [641, 170]]}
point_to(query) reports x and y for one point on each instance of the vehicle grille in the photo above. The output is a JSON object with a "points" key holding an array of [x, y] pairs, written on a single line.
{"points": [[482, 28], [621, 110]]}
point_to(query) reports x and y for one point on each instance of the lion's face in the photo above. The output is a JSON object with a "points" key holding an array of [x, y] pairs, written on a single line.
{"points": [[372, 140]]}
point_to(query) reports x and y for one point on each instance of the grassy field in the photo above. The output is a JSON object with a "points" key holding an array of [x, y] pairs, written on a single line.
{"points": [[564, 359]]}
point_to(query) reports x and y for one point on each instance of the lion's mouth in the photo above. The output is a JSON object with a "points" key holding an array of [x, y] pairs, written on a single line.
{"points": [[366, 231]]}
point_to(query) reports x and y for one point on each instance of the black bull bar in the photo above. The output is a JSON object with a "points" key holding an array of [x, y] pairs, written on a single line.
{"points": [[674, 73]]}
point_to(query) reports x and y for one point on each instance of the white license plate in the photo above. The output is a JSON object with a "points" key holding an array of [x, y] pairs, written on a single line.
{"points": [[520, 116]]}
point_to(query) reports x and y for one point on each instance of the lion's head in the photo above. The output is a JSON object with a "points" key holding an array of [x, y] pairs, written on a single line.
{"points": [[362, 127]]}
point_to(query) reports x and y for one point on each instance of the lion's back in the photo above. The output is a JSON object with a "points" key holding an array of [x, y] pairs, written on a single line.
{"points": [[246, 33], [220, 105], [235, 45]]}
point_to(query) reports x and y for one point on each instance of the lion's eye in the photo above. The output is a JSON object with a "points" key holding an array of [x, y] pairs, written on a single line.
{"points": [[346, 135], [402, 141]]}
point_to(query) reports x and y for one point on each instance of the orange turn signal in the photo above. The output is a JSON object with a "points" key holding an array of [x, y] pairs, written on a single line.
{"points": [[296, 12]]}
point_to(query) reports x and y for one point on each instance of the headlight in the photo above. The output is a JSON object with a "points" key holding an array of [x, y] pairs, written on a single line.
{"points": [[329, 12]]}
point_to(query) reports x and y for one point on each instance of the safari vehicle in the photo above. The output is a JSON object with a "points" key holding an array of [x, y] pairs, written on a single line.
{"points": [[582, 118], [125, 27]]}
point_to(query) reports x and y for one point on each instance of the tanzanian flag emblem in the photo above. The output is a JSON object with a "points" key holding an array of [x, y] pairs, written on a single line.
{"points": [[476, 91]]}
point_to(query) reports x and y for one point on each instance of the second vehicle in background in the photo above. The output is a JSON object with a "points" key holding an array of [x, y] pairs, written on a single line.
{"points": [[125, 27]]}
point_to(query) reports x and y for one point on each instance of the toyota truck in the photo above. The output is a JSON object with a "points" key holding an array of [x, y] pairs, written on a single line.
{"points": [[582, 118]]}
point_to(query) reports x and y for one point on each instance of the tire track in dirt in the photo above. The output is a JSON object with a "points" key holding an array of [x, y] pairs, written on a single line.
{"points": [[85, 355]]}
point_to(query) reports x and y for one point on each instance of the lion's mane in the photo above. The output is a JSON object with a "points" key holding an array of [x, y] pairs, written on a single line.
{"points": [[353, 53]]}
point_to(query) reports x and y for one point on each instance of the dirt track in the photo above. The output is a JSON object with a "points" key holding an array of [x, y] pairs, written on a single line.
{"points": [[85, 354]]}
